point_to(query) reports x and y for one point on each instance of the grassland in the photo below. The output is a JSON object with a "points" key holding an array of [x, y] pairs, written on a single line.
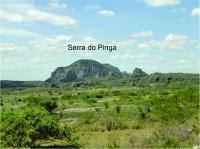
{"points": [[162, 115]]}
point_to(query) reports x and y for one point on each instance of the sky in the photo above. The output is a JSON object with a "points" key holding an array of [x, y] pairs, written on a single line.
{"points": [[154, 35]]}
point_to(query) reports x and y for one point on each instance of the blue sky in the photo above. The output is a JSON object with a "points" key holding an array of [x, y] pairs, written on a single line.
{"points": [[155, 35]]}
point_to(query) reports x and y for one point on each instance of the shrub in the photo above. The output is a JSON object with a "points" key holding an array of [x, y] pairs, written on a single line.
{"points": [[91, 101], [66, 96], [33, 100], [106, 104], [118, 108], [98, 109], [171, 142], [114, 142], [115, 124], [49, 105], [132, 141], [116, 92], [99, 96], [23, 129], [109, 125], [138, 124]]}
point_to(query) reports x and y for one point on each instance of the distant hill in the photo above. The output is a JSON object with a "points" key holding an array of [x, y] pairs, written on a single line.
{"points": [[137, 75], [20, 84], [84, 70], [89, 71], [166, 78]]}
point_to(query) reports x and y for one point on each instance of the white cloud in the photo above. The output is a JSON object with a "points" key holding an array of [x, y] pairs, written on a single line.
{"points": [[142, 34], [52, 18], [88, 40], [14, 32], [49, 44], [171, 41], [196, 12], [127, 56], [60, 43], [161, 3], [106, 13], [13, 17], [21, 15], [11, 47], [57, 4], [184, 62], [17, 6], [123, 44]]}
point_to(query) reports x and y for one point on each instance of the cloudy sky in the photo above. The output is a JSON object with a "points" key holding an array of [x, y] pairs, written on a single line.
{"points": [[155, 35]]}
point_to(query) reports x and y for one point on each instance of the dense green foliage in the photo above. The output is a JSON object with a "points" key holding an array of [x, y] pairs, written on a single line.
{"points": [[49, 105], [23, 129]]}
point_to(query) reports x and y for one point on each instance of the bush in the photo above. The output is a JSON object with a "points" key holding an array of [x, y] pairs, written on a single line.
{"points": [[139, 124], [110, 125], [118, 108], [91, 101], [106, 104], [115, 124], [49, 105], [23, 129], [114, 142], [116, 92], [98, 109], [33, 100], [66, 96], [99, 96], [171, 142]]}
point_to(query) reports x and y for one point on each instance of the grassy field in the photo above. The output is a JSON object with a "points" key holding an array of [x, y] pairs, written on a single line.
{"points": [[158, 116]]}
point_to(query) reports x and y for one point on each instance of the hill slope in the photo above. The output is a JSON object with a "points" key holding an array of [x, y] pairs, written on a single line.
{"points": [[166, 78], [84, 70]]}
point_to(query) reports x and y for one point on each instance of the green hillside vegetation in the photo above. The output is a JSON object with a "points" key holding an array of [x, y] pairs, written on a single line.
{"points": [[167, 78], [20, 84]]}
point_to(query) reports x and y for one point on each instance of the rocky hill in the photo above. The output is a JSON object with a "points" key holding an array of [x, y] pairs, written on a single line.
{"points": [[84, 70], [89, 71]]}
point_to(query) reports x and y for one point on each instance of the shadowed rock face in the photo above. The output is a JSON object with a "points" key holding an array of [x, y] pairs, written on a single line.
{"points": [[84, 70], [137, 73]]}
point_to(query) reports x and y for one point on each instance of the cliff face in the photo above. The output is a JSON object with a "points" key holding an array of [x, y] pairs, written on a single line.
{"points": [[84, 70]]}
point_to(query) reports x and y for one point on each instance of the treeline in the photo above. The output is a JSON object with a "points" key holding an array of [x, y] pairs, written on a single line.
{"points": [[20, 84]]}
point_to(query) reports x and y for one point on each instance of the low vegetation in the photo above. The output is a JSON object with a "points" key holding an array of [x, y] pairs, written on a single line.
{"points": [[92, 105], [101, 117]]}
